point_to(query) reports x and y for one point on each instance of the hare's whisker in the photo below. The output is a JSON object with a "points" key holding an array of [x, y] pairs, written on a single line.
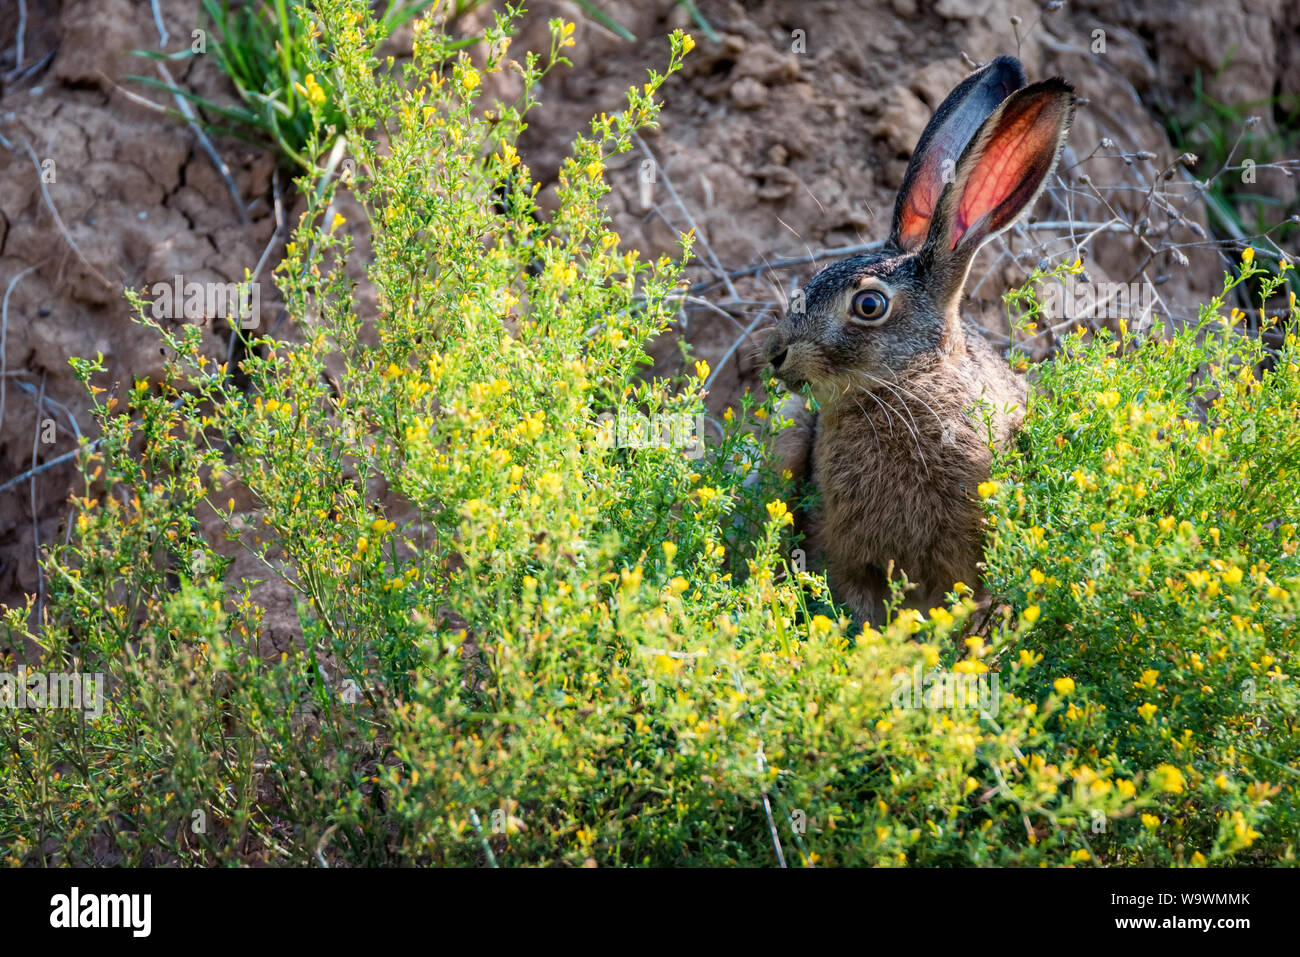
{"points": [[888, 419], [938, 421], [785, 302], [916, 438], [814, 197], [869, 422], [808, 249], [903, 403]]}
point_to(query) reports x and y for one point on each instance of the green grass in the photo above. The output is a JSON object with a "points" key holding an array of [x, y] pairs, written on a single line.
{"points": [[1218, 133], [266, 48]]}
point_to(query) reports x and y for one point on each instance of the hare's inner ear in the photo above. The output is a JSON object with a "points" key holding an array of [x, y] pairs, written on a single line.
{"points": [[934, 161], [1003, 169]]}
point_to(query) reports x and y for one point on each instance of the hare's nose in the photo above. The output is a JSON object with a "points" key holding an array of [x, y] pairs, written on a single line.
{"points": [[776, 349]]}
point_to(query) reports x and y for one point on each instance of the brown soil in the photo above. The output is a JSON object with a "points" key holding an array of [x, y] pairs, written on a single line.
{"points": [[774, 149]]}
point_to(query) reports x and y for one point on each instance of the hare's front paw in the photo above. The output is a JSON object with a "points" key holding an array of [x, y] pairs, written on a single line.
{"points": [[864, 591], [792, 447]]}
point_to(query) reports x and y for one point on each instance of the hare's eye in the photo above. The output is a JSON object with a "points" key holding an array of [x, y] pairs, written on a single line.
{"points": [[870, 306]]}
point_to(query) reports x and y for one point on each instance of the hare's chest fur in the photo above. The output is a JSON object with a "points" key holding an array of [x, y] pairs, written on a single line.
{"points": [[898, 471]]}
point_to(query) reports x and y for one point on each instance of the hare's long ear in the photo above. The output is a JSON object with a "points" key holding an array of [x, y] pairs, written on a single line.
{"points": [[935, 158], [1000, 174]]}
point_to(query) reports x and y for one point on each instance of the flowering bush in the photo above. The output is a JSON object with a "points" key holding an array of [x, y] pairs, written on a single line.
{"points": [[1148, 515], [523, 644]]}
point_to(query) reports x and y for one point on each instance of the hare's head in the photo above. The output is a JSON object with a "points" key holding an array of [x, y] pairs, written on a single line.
{"points": [[982, 160]]}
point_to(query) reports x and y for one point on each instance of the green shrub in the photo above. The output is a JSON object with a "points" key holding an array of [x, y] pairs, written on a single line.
{"points": [[561, 649], [266, 48], [1149, 512]]}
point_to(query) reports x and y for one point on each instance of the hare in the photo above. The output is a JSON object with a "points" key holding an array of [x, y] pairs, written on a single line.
{"points": [[906, 391]]}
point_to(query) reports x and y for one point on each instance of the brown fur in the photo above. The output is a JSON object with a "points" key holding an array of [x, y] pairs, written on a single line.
{"points": [[913, 499], [910, 401]]}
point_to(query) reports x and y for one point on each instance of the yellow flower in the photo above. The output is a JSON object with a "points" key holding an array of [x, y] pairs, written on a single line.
{"points": [[469, 78], [670, 550], [1198, 859], [1147, 709], [678, 585], [1248, 255], [310, 90], [666, 665], [1149, 677], [821, 625], [1063, 686], [987, 489], [1080, 856], [701, 370], [1244, 833], [1221, 782], [1031, 613], [1150, 822], [1169, 778], [1036, 576], [688, 43], [779, 513]]}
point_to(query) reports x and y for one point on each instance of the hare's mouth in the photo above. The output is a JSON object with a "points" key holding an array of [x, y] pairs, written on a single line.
{"points": [[792, 382]]}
